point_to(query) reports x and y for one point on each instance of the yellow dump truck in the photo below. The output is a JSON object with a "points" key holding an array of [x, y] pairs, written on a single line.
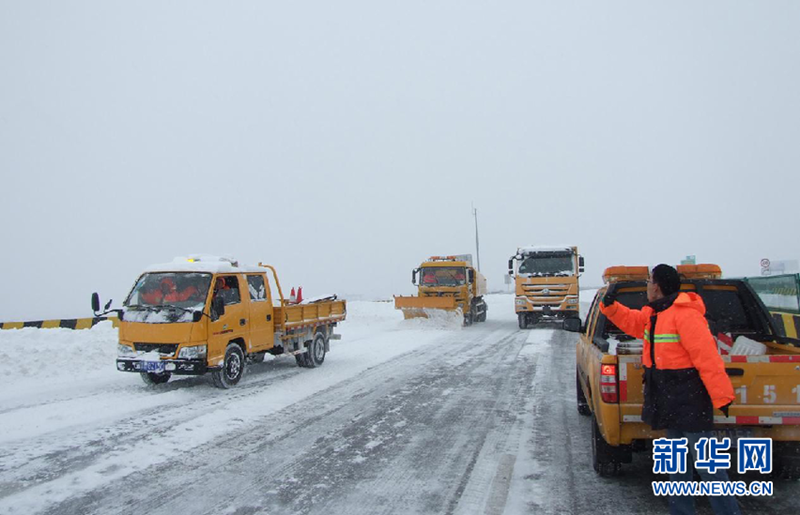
{"points": [[446, 283], [546, 283], [209, 314], [766, 383]]}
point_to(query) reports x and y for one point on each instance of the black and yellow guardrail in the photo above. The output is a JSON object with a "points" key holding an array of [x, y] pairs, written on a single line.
{"points": [[67, 323], [786, 324]]}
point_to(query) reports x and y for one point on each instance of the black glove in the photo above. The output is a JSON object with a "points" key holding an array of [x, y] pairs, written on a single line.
{"points": [[724, 409], [609, 297]]}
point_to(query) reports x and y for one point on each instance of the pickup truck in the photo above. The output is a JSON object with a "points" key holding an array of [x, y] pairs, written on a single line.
{"points": [[609, 370], [208, 314]]}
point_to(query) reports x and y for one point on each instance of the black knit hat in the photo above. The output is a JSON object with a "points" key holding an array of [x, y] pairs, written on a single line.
{"points": [[667, 279]]}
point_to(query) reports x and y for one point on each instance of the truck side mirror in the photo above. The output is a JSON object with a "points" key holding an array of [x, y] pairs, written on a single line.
{"points": [[471, 276], [580, 261], [217, 307], [95, 302], [197, 315], [511, 266], [414, 276], [108, 304], [572, 325]]}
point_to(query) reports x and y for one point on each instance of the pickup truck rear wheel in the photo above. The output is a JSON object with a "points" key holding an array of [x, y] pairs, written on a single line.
{"points": [[583, 406], [602, 453], [315, 355], [232, 368], [151, 379]]}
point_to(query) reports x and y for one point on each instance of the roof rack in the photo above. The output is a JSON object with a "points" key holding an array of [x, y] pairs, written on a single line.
{"points": [[614, 274], [703, 271], [618, 273]]}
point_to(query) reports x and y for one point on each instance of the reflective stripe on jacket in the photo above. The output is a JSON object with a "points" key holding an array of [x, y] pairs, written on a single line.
{"points": [[684, 373]]}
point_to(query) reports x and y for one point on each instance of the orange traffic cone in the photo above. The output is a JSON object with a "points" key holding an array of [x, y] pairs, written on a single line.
{"points": [[292, 297], [299, 294]]}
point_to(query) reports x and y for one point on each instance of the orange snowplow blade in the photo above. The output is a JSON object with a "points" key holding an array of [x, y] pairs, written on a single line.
{"points": [[416, 307]]}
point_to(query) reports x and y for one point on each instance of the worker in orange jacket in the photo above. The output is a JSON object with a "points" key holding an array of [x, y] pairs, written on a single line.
{"points": [[684, 376]]}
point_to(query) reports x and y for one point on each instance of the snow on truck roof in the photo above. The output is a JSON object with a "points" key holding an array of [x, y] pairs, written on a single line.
{"points": [[206, 264], [544, 248]]}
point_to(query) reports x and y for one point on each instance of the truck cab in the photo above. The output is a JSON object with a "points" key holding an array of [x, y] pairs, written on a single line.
{"points": [[609, 369], [546, 283]]}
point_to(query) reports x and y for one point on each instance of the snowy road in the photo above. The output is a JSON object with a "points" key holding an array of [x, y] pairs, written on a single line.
{"points": [[403, 417]]}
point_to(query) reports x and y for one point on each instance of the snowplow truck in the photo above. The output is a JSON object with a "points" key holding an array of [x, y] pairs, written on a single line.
{"points": [[449, 284], [207, 314], [546, 283]]}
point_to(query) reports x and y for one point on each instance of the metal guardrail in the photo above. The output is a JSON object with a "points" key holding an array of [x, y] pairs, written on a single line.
{"points": [[66, 323]]}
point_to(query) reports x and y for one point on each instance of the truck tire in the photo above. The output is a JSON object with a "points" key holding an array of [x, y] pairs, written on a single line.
{"points": [[300, 359], [786, 460], [315, 355], [522, 319], [602, 454], [232, 368], [583, 406], [151, 379], [480, 311]]}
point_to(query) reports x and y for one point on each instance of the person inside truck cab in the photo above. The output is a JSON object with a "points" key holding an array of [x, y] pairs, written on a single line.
{"points": [[222, 288], [429, 277], [684, 375]]}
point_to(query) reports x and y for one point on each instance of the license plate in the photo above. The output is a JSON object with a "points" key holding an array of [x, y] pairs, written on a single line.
{"points": [[153, 366], [733, 433]]}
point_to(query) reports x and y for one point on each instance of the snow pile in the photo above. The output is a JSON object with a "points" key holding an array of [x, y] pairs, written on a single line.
{"points": [[438, 319], [54, 354]]}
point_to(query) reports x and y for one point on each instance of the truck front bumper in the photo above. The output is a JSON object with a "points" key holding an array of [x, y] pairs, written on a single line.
{"points": [[189, 367]]}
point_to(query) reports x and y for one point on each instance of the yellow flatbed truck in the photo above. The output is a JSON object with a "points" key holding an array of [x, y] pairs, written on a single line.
{"points": [[546, 283], [610, 371], [446, 283], [208, 314]]}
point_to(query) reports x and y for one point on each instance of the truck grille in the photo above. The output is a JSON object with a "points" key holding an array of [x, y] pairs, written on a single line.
{"points": [[165, 349], [546, 293]]}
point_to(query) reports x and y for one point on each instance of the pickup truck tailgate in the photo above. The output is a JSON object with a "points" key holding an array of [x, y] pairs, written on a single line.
{"points": [[767, 389]]}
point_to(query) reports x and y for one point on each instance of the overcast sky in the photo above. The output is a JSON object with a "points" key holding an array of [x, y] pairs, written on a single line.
{"points": [[345, 141]]}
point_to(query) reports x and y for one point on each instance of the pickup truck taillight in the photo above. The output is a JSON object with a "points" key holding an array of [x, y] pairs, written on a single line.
{"points": [[608, 383]]}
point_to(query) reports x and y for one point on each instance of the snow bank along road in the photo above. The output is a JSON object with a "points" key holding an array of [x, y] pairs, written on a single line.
{"points": [[417, 416]]}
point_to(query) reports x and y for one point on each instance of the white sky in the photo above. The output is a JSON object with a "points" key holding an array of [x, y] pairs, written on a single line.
{"points": [[345, 141]]}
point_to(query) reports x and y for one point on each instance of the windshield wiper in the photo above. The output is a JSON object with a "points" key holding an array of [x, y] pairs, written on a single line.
{"points": [[145, 307]]}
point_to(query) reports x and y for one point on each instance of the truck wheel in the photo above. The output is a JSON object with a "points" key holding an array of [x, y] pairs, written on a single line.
{"points": [[151, 379], [583, 406], [468, 319], [300, 359], [232, 368], [315, 355], [523, 321], [602, 462]]}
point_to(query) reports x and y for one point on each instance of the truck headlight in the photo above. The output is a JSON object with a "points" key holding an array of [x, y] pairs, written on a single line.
{"points": [[521, 302], [193, 352], [125, 351], [572, 301]]}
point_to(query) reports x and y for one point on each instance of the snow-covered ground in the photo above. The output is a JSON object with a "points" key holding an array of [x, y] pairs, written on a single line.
{"points": [[405, 416]]}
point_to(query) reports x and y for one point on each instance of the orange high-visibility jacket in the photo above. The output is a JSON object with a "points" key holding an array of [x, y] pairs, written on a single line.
{"points": [[681, 341]]}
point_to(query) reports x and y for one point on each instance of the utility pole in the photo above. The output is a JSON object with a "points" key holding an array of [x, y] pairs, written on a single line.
{"points": [[477, 246]]}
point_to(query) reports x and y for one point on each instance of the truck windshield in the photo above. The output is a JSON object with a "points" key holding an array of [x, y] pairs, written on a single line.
{"points": [[169, 289], [443, 276], [547, 265]]}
